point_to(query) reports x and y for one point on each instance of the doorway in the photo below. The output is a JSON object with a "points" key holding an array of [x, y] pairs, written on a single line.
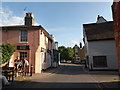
{"points": [[23, 55]]}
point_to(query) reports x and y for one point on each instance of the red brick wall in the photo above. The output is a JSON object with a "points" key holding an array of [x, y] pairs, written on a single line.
{"points": [[116, 17], [33, 37], [10, 36], [13, 36]]}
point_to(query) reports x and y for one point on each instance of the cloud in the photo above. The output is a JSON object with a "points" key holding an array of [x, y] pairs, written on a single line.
{"points": [[36, 24], [8, 19], [74, 42]]}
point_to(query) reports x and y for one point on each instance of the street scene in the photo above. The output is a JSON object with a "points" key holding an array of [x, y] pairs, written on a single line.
{"points": [[69, 76], [60, 45]]}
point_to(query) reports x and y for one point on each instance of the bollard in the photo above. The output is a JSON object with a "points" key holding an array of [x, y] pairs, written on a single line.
{"points": [[85, 64], [31, 70]]}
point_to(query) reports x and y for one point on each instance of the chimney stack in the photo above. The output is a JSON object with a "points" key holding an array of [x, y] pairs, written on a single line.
{"points": [[98, 17], [29, 19], [80, 45]]}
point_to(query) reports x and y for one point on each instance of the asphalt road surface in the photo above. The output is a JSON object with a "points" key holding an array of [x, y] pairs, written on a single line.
{"points": [[69, 76]]}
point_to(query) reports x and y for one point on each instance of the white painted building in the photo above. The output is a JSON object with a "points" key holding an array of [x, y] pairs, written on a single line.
{"points": [[100, 45], [55, 53], [76, 49]]}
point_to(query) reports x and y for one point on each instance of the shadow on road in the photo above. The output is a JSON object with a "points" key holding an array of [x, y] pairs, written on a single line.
{"points": [[78, 69], [29, 84]]}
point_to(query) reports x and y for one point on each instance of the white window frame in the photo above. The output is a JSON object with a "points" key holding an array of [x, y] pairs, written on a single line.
{"points": [[24, 36]]}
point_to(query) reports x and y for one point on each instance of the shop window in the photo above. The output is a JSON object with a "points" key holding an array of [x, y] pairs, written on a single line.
{"points": [[99, 61]]}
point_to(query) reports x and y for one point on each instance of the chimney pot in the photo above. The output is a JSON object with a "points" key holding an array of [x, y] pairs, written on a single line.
{"points": [[29, 19]]}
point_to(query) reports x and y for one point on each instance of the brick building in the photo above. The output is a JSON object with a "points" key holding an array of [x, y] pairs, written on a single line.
{"points": [[116, 18], [33, 42]]}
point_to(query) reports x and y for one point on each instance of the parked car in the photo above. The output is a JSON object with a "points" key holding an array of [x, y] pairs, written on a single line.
{"points": [[77, 62], [82, 61]]}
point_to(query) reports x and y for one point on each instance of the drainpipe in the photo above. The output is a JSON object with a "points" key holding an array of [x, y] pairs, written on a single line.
{"points": [[91, 66]]}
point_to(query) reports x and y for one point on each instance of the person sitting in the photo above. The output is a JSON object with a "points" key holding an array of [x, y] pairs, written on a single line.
{"points": [[2, 77], [4, 80]]}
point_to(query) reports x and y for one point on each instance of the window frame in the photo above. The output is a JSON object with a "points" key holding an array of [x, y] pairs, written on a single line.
{"points": [[25, 54], [100, 65], [20, 40]]}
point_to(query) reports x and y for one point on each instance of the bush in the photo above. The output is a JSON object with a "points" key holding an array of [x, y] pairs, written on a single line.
{"points": [[6, 51]]}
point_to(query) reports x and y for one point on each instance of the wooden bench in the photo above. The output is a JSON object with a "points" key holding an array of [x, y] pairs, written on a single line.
{"points": [[8, 73]]}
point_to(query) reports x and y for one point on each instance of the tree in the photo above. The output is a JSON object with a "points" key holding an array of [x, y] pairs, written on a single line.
{"points": [[66, 53], [6, 52], [61, 50], [70, 53]]}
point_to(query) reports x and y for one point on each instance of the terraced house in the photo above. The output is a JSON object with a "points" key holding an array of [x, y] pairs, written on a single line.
{"points": [[33, 42]]}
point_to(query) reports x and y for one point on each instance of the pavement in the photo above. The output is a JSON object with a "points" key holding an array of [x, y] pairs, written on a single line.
{"points": [[20, 80], [43, 74]]}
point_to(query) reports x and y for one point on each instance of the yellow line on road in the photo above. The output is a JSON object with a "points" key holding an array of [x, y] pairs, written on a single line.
{"points": [[110, 81]]}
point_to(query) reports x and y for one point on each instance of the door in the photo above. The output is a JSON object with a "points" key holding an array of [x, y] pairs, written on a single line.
{"points": [[23, 55]]}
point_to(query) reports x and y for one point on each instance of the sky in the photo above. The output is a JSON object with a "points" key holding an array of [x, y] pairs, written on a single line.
{"points": [[62, 19]]}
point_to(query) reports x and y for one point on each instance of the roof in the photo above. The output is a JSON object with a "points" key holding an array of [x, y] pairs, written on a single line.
{"points": [[101, 19], [99, 31], [19, 27], [76, 46]]}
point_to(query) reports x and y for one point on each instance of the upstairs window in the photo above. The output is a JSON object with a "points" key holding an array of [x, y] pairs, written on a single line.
{"points": [[23, 35]]}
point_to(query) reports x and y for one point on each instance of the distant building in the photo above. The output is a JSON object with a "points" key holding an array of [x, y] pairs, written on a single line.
{"points": [[100, 45], [76, 54], [82, 54], [79, 53], [116, 18], [33, 42]]}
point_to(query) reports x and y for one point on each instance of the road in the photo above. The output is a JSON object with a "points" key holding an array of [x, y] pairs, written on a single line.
{"points": [[68, 76]]}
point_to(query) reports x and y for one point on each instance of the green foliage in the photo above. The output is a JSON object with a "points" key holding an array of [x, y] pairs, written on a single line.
{"points": [[66, 53], [6, 51], [61, 50], [70, 52]]}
